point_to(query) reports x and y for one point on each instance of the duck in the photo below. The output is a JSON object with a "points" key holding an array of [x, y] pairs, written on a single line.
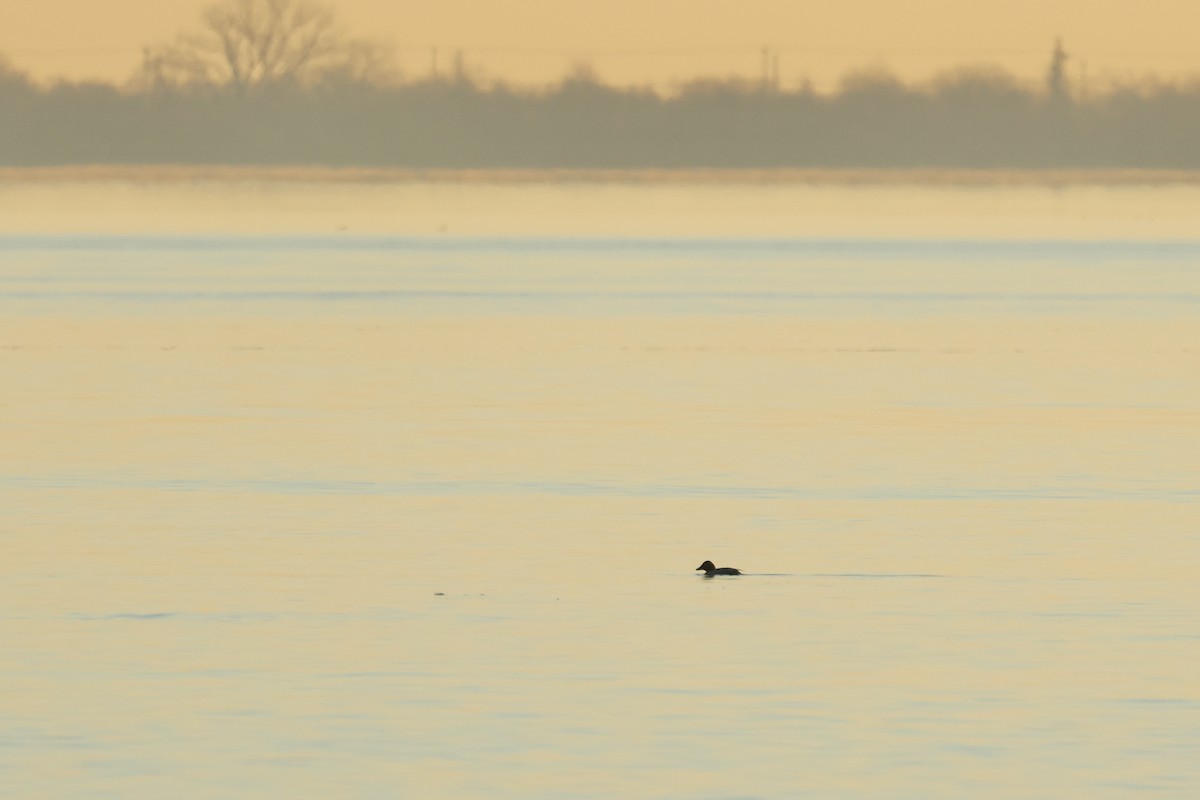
{"points": [[710, 570]]}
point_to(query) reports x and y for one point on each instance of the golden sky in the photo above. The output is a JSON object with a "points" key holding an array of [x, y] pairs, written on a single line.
{"points": [[662, 41]]}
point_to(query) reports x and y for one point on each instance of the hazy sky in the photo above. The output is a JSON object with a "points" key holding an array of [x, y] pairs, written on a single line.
{"points": [[662, 40]]}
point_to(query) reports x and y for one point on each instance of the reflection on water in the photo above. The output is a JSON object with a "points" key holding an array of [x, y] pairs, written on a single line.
{"points": [[819, 277], [398, 515]]}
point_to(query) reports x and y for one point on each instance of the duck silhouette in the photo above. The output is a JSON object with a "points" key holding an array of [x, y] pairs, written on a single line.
{"points": [[710, 569]]}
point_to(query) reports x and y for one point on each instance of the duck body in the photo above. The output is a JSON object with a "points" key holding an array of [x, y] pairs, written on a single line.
{"points": [[710, 569]]}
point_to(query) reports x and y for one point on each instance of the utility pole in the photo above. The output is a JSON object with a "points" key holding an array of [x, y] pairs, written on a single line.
{"points": [[770, 69], [1056, 74], [460, 67]]}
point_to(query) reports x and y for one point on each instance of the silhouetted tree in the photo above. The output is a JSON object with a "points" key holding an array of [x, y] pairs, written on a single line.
{"points": [[329, 111], [872, 83], [249, 44], [983, 84], [1056, 74], [11, 78]]}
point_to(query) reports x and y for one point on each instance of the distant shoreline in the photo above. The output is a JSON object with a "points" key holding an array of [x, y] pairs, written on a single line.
{"points": [[783, 176]]}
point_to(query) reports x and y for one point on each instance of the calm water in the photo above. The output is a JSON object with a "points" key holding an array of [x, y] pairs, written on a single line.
{"points": [[412, 510]]}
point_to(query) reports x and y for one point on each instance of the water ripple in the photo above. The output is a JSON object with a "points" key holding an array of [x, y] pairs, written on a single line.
{"points": [[473, 488]]}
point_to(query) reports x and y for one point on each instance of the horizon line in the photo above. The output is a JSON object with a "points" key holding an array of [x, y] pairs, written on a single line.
{"points": [[1050, 177]]}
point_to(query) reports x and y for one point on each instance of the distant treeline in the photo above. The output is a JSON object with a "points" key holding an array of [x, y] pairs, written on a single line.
{"points": [[967, 119]]}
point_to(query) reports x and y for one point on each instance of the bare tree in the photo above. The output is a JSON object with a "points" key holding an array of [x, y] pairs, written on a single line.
{"points": [[249, 44]]}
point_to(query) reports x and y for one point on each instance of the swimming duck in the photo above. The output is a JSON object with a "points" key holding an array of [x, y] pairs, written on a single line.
{"points": [[710, 570]]}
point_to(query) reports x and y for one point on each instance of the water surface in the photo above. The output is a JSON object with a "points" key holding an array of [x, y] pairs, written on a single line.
{"points": [[306, 512]]}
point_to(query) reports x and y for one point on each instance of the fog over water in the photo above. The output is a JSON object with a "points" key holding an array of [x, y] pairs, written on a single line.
{"points": [[284, 83]]}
